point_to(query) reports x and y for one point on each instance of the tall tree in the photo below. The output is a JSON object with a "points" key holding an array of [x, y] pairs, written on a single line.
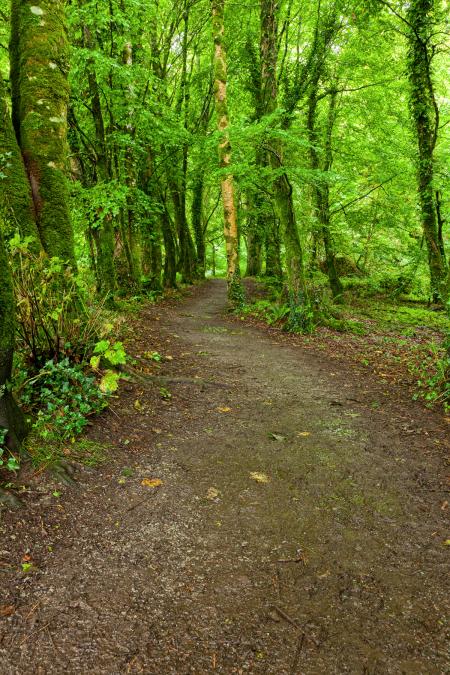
{"points": [[12, 421], [283, 189], [40, 95], [235, 290], [425, 113]]}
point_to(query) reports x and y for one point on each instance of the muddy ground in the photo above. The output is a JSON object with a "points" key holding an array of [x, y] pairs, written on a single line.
{"points": [[337, 564]]}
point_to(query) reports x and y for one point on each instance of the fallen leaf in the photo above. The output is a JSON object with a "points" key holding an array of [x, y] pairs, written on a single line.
{"points": [[444, 505], [7, 610], [212, 493], [151, 482], [447, 542], [303, 433], [26, 558], [223, 409], [278, 437], [259, 477], [137, 404]]}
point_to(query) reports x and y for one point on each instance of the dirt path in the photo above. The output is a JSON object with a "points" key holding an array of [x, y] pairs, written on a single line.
{"points": [[337, 565]]}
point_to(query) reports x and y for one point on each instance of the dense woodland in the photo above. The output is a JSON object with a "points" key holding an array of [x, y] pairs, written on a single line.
{"points": [[146, 145]]}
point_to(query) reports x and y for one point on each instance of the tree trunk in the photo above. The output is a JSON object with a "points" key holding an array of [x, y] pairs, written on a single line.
{"points": [[132, 229], [170, 258], [321, 190], [104, 232], [426, 120], [299, 318], [197, 224], [254, 250], [235, 289], [255, 235], [16, 201], [11, 417], [273, 254], [186, 263], [39, 64]]}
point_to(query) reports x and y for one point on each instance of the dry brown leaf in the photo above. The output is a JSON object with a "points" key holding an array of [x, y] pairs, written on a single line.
{"points": [[212, 493], [151, 482], [7, 610], [259, 477]]}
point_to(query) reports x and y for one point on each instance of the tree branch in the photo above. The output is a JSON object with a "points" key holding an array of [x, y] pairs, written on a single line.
{"points": [[358, 199]]}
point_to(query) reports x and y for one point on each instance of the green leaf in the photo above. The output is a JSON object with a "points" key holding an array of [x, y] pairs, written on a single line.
{"points": [[109, 382]]}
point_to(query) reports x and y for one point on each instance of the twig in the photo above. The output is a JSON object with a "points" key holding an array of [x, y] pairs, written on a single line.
{"points": [[32, 610], [297, 654], [301, 558], [27, 637], [285, 616]]}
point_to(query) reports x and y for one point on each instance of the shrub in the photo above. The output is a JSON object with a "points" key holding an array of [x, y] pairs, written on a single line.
{"points": [[65, 397], [54, 320]]}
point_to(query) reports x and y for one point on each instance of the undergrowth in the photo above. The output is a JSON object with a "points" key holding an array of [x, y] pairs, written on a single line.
{"points": [[402, 322], [67, 363]]}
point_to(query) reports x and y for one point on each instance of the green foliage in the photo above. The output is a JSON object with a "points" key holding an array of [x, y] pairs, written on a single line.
{"points": [[8, 461], [54, 320], [433, 383], [114, 354], [111, 355], [65, 397]]}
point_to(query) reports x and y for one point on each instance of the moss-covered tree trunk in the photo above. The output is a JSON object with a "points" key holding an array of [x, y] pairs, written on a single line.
{"points": [[104, 228], [11, 417], [197, 223], [235, 289], [299, 318], [15, 193], [170, 251], [186, 262], [39, 65], [254, 238], [321, 190], [425, 115], [273, 254]]}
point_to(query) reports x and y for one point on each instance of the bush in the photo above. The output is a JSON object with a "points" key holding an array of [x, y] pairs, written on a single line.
{"points": [[54, 320], [66, 396]]}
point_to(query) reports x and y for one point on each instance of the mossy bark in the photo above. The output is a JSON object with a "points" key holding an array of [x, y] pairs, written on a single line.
{"points": [[255, 235], [11, 417], [197, 224], [16, 200], [273, 254], [254, 249], [104, 234], [186, 261], [321, 190], [39, 57], [425, 116], [298, 298], [170, 249], [235, 288]]}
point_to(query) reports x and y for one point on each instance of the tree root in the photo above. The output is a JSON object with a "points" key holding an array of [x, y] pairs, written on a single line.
{"points": [[143, 378], [64, 472], [10, 500]]}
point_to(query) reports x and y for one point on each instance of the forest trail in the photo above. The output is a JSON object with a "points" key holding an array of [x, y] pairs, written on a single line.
{"points": [[335, 565]]}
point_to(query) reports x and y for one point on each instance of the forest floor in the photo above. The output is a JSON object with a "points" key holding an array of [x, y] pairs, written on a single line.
{"points": [[298, 527]]}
